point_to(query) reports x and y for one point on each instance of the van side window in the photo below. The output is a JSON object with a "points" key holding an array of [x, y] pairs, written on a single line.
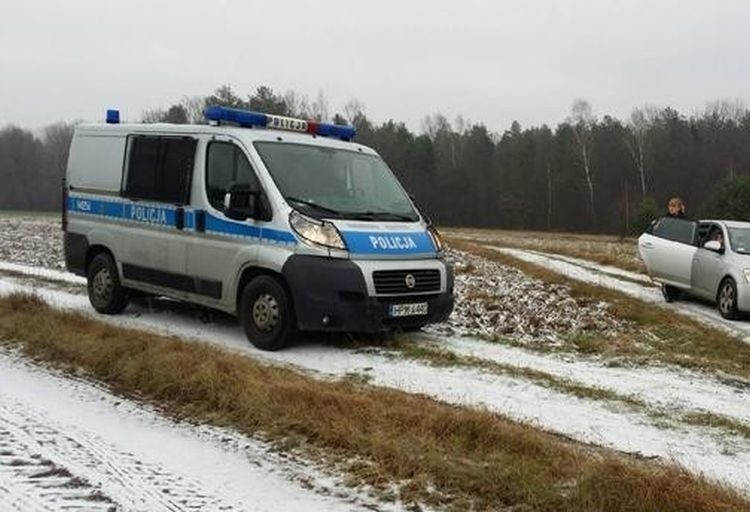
{"points": [[160, 168], [226, 165], [675, 229]]}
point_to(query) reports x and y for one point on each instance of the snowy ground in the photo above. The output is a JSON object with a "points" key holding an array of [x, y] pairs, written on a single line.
{"points": [[66, 444], [633, 284], [652, 429], [647, 432], [493, 299]]}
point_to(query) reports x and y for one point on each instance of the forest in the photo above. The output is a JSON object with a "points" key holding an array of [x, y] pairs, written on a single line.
{"points": [[588, 173]]}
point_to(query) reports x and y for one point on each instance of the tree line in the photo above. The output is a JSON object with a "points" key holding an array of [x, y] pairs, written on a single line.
{"points": [[586, 174]]}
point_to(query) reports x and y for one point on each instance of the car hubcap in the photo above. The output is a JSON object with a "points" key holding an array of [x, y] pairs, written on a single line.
{"points": [[265, 313], [726, 301], [102, 285]]}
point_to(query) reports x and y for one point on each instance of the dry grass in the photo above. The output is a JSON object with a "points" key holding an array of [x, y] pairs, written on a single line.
{"points": [[450, 456], [661, 335], [602, 249]]}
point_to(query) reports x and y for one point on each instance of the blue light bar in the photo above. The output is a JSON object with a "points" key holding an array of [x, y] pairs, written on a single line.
{"points": [[247, 119], [244, 118], [336, 130], [113, 116]]}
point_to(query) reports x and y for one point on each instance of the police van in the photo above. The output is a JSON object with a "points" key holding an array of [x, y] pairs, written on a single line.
{"points": [[286, 223]]}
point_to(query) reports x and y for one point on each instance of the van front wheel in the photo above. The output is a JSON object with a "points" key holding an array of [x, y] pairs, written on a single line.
{"points": [[106, 294], [266, 313]]}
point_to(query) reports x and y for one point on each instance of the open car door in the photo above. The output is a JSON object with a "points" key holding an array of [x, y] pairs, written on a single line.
{"points": [[668, 248]]}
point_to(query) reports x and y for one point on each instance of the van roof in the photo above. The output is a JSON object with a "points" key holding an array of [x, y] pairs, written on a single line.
{"points": [[248, 135]]}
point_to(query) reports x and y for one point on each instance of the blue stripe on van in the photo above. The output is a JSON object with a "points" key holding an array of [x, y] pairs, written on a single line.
{"points": [[166, 216], [388, 242]]}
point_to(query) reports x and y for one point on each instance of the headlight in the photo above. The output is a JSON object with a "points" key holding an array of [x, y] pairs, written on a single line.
{"points": [[315, 231], [436, 238], [747, 274]]}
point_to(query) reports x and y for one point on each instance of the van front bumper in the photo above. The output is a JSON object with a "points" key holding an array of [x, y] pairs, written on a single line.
{"points": [[331, 295]]}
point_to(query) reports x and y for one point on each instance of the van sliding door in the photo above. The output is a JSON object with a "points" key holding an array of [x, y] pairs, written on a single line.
{"points": [[157, 187]]}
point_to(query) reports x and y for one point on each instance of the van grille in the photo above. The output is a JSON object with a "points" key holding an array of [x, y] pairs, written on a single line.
{"points": [[394, 281]]}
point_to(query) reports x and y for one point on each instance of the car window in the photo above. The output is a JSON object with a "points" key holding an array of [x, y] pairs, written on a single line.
{"points": [[160, 168], [739, 240], [226, 165], [675, 229], [704, 232]]}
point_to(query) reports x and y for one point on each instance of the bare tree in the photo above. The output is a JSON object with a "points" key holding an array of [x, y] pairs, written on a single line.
{"points": [[582, 121], [724, 115], [319, 107], [353, 110], [194, 107], [726, 110], [151, 116], [297, 104], [639, 130]]}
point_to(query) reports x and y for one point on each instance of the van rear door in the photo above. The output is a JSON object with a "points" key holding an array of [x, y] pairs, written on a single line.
{"points": [[668, 249]]}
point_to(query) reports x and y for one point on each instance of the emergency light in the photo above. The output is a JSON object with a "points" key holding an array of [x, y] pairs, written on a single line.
{"points": [[247, 119], [113, 116]]}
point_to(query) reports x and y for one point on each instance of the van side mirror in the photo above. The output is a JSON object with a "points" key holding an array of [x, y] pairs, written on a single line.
{"points": [[713, 245], [240, 203]]}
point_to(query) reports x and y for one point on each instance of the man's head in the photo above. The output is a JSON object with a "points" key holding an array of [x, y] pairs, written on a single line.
{"points": [[676, 206]]}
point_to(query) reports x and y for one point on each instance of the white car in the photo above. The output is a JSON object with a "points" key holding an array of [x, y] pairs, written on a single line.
{"points": [[708, 259]]}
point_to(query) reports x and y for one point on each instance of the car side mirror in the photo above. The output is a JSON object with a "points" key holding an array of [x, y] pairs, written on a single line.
{"points": [[713, 245], [240, 203]]}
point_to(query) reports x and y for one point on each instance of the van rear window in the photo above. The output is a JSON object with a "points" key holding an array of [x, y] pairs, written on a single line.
{"points": [[160, 168]]}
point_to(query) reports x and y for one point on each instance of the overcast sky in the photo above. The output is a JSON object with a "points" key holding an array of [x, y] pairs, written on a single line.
{"points": [[489, 61]]}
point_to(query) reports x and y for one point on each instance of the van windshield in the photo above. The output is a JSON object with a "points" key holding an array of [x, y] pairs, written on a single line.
{"points": [[326, 182]]}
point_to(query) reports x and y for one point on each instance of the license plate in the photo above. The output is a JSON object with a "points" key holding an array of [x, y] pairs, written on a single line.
{"points": [[418, 308]]}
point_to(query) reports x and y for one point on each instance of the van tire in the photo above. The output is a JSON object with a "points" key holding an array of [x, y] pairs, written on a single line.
{"points": [[670, 293], [106, 294], [726, 299], [266, 313]]}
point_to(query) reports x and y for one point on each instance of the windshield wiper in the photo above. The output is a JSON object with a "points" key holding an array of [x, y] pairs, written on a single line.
{"points": [[369, 215], [312, 204]]}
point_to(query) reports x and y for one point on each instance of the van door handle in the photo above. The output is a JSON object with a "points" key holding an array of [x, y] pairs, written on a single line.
{"points": [[647, 245], [200, 220], [179, 215]]}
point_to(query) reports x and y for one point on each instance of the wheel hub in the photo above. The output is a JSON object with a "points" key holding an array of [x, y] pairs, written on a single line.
{"points": [[265, 312], [102, 285], [726, 300]]}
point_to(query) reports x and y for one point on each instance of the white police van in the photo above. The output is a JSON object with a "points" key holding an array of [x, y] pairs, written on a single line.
{"points": [[286, 223]]}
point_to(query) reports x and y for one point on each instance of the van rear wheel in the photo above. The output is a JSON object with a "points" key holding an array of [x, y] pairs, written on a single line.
{"points": [[266, 313], [106, 294]]}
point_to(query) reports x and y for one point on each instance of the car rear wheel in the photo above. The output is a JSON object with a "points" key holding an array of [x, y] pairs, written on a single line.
{"points": [[726, 299], [106, 294], [670, 293], [266, 313]]}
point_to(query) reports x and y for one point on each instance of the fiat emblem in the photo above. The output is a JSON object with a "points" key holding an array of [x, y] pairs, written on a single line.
{"points": [[410, 281]]}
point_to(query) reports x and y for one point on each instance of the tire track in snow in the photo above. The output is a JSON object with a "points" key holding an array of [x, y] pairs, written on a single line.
{"points": [[29, 482], [136, 485], [134, 460], [681, 392]]}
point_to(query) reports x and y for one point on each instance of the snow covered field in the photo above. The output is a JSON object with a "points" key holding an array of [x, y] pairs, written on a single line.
{"points": [[651, 428], [67, 444], [633, 284]]}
